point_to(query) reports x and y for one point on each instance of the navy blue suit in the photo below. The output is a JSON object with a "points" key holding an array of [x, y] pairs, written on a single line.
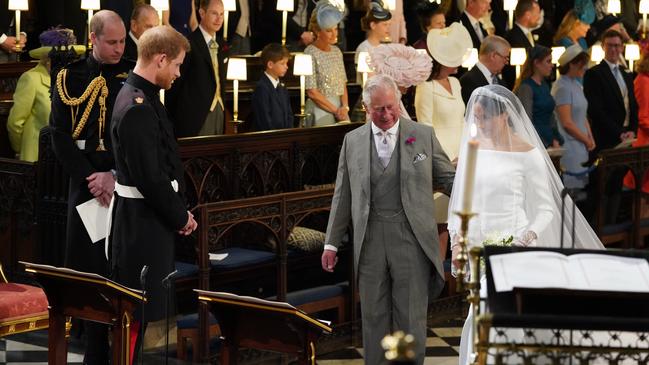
{"points": [[271, 106]]}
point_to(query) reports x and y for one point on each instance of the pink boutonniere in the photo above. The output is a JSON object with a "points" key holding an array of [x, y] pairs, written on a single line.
{"points": [[410, 140]]}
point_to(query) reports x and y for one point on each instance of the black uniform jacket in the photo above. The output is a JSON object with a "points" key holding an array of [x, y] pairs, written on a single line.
{"points": [[146, 157], [81, 254]]}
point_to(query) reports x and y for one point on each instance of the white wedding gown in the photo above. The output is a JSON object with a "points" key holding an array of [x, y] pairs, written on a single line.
{"points": [[505, 184]]}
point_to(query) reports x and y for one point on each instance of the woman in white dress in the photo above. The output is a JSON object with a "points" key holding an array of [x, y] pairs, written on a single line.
{"points": [[438, 101], [517, 190]]}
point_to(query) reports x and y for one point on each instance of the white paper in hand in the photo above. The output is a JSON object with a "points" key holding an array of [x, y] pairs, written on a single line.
{"points": [[93, 215]]}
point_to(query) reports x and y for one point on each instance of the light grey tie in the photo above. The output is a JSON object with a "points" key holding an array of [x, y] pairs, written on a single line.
{"points": [[620, 80], [495, 80], [383, 148], [478, 31]]}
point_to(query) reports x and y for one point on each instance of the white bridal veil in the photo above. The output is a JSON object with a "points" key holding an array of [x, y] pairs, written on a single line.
{"points": [[517, 188]]}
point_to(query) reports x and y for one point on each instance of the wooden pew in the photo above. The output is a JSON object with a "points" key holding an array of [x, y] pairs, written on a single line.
{"points": [[277, 215]]}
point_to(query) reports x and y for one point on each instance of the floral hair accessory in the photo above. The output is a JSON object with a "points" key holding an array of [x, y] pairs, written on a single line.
{"points": [[404, 64], [410, 140]]}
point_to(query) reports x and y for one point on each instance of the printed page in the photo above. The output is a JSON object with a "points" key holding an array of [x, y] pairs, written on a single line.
{"points": [[612, 273], [93, 216], [533, 269]]}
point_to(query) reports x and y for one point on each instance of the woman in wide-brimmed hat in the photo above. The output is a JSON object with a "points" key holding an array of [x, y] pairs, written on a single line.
{"points": [[31, 109], [438, 101]]}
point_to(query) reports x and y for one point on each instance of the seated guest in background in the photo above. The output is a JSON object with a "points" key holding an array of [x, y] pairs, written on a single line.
{"points": [[534, 93], [195, 102], [144, 17], [641, 91], [8, 43], [31, 108], [271, 105], [267, 25], [492, 57], [239, 28], [181, 16], [573, 29], [376, 24], [327, 87], [149, 211], [571, 111], [431, 16], [438, 102]]}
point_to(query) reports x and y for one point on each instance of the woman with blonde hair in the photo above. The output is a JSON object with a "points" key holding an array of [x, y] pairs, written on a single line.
{"points": [[327, 87], [572, 30], [534, 93]]}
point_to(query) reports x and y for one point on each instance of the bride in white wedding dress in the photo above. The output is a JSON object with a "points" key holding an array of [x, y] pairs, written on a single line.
{"points": [[517, 189]]}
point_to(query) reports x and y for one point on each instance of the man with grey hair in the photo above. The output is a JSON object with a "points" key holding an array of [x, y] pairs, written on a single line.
{"points": [[387, 172], [82, 144], [492, 58], [144, 17]]}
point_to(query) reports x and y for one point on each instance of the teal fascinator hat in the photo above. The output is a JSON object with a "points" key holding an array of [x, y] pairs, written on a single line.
{"points": [[585, 11], [328, 15]]}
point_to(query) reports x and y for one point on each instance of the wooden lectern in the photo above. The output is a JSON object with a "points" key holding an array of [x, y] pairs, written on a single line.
{"points": [[86, 296], [261, 324]]}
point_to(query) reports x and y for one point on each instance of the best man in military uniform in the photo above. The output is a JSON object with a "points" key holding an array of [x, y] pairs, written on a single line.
{"points": [[82, 102], [149, 211]]}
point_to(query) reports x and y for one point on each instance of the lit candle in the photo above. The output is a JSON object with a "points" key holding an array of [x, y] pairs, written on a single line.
{"points": [[225, 24], [18, 29], [469, 170]]}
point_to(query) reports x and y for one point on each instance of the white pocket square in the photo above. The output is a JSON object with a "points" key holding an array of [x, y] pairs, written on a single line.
{"points": [[419, 157]]}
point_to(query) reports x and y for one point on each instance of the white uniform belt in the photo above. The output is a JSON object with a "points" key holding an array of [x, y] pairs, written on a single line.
{"points": [[132, 192], [124, 191], [81, 144]]}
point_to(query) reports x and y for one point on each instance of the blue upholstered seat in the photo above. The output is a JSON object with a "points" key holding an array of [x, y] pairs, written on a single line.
{"points": [[191, 321], [318, 293]]}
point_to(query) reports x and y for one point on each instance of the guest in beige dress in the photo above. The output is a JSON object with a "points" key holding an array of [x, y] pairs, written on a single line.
{"points": [[327, 87], [438, 101]]}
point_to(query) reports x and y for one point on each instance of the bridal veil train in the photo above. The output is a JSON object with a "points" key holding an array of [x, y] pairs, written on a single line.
{"points": [[517, 195]]}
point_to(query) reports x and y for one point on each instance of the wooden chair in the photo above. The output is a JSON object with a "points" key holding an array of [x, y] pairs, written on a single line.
{"points": [[23, 308], [614, 162]]}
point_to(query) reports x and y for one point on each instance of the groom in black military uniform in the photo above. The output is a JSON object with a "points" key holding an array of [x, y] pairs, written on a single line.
{"points": [[148, 209], [82, 101]]}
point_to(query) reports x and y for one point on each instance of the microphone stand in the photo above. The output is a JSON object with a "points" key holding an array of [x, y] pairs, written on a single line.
{"points": [[166, 283], [564, 192], [145, 270]]}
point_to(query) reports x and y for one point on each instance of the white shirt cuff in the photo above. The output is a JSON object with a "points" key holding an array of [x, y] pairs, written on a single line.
{"points": [[3, 38], [331, 248]]}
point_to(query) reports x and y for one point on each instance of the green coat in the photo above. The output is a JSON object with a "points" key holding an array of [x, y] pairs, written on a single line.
{"points": [[30, 113]]}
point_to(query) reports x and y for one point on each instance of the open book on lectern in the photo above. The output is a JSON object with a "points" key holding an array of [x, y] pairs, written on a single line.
{"points": [[553, 270]]}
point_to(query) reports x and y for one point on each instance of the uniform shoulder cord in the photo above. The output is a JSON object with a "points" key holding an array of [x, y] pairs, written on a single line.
{"points": [[97, 85]]}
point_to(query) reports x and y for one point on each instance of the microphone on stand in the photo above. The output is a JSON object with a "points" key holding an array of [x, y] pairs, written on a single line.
{"points": [[564, 192], [166, 283], [145, 270]]}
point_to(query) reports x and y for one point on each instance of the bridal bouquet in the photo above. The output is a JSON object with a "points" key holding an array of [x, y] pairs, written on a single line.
{"points": [[495, 239]]}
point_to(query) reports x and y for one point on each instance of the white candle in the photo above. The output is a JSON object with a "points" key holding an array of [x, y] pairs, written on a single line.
{"points": [[284, 15], [17, 29], [469, 173], [236, 98], [225, 25]]}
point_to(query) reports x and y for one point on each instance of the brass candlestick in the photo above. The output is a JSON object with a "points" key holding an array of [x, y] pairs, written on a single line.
{"points": [[463, 255]]}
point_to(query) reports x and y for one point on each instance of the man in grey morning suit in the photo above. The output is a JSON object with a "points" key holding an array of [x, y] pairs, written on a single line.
{"points": [[386, 174]]}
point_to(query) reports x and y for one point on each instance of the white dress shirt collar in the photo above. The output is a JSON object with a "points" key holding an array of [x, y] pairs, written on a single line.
{"points": [[130, 34], [485, 71], [611, 65], [392, 131], [472, 20], [272, 79], [208, 37]]}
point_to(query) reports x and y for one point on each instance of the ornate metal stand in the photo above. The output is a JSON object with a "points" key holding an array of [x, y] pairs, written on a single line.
{"points": [[474, 285]]}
